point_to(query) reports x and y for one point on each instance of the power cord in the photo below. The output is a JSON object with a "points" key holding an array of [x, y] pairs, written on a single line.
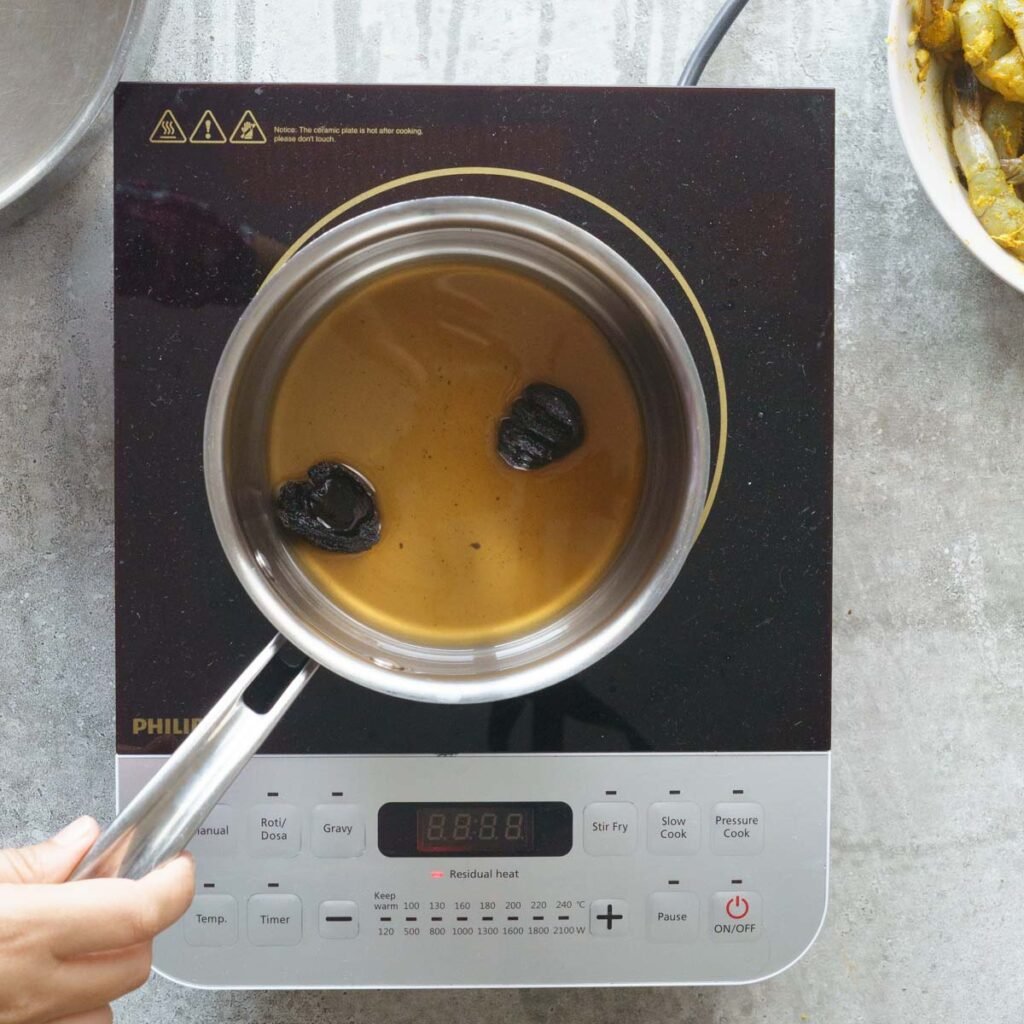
{"points": [[708, 43]]}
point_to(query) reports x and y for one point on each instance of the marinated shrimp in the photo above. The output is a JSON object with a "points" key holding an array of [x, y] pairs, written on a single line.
{"points": [[1003, 121], [993, 199], [990, 48], [983, 100], [940, 30], [1013, 168]]}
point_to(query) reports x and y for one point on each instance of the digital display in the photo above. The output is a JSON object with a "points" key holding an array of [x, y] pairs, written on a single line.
{"points": [[538, 829], [457, 828]]}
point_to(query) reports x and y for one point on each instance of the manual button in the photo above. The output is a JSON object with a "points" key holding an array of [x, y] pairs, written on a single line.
{"points": [[609, 829], [338, 830], [217, 833], [673, 828], [737, 828], [274, 830]]}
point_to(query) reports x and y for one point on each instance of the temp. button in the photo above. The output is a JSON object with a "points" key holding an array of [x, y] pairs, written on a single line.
{"points": [[609, 828], [338, 830]]}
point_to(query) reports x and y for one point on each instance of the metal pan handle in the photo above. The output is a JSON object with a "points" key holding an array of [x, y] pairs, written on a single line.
{"points": [[163, 817]]}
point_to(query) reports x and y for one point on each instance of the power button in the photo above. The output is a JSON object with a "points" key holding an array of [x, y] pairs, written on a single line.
{"points": [[736, 916]]}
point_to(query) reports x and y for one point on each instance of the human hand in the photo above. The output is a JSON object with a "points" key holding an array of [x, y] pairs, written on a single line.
{"points": [[67, 951]]}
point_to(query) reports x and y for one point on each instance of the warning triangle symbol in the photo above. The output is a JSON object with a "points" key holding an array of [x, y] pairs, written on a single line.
{"points": [[207, 129], [167, 129], [248, 131]]}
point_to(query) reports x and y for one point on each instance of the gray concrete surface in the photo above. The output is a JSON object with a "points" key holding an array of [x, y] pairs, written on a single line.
{"points": [[928, 851]]}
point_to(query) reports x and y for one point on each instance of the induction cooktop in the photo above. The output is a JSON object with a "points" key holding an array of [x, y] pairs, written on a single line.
{"points": [[661, 818]]}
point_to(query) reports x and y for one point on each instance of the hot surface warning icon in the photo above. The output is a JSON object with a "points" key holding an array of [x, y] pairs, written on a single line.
{"points": [[207, 130], [167, 129], [248, 130]]}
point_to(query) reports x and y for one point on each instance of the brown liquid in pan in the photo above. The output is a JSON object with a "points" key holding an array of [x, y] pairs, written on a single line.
{"points": [[405, 380]]}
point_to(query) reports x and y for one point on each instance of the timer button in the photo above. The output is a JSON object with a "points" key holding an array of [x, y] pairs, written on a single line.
{"points": [[338, 831], [609, 829], [275, 919], [609, 918]]}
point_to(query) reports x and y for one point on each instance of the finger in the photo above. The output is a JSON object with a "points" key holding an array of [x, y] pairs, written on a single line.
{"points": [[101, 1015], [110, 913], [51, 861], [91, 982]]}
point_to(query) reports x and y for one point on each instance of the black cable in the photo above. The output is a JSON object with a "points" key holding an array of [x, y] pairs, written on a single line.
{"points": [[708, 43]]}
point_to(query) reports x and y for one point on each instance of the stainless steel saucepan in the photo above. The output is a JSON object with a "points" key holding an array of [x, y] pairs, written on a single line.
{"points": [[160, 821]]}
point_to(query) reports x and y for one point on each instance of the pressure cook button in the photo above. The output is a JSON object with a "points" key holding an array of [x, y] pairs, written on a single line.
{"points": [[673, 828], [338, 830], [339, 919], [609, 918], [609, 829], [274, 830], [737, 828], [672, 916], [212, 921], [736, 916], [218, 834], [275, 919]]}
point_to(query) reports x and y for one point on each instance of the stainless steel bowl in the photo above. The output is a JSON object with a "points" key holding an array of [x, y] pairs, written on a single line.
{"points": [[59, 64], [562, 256]]}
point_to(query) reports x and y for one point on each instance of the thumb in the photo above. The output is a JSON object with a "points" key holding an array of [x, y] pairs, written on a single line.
{"points": [[52, 860]]}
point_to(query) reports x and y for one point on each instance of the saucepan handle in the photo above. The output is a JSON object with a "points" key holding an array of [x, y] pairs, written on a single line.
{"points": [[161, 820]]}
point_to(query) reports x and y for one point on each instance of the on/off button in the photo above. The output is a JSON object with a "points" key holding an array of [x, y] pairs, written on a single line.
{"points": [[736, 916]]}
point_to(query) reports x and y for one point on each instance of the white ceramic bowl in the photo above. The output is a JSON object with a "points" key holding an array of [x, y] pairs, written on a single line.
{"points": [[922, 121]]}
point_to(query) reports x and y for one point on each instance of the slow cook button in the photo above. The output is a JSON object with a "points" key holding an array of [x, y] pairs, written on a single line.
{"points": [[274, 830], [275, 919], [609, 829], [737, 828], [218, 834], [212, 921], [736, 916], [672, 916], [338, 830], [673, 828]]}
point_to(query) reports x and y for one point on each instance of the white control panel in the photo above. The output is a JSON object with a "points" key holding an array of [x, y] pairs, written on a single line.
{"points": [[622, 869]]}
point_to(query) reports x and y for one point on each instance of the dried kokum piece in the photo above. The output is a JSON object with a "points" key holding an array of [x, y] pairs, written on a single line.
{"points": [[334, 509], [543, 424]]}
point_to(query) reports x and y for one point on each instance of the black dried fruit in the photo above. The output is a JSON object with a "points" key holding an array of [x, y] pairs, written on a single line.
{"points": [[334, 509], [544, 424]]}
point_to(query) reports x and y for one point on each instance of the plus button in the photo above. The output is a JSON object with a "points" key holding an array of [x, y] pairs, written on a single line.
{"points": [[608, 917]]}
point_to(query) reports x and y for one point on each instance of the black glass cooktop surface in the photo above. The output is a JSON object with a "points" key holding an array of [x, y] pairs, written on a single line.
{"points": [[735, 190]]}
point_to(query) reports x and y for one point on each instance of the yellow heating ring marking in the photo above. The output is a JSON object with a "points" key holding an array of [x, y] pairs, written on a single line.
{"points": [[540, 179]]}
